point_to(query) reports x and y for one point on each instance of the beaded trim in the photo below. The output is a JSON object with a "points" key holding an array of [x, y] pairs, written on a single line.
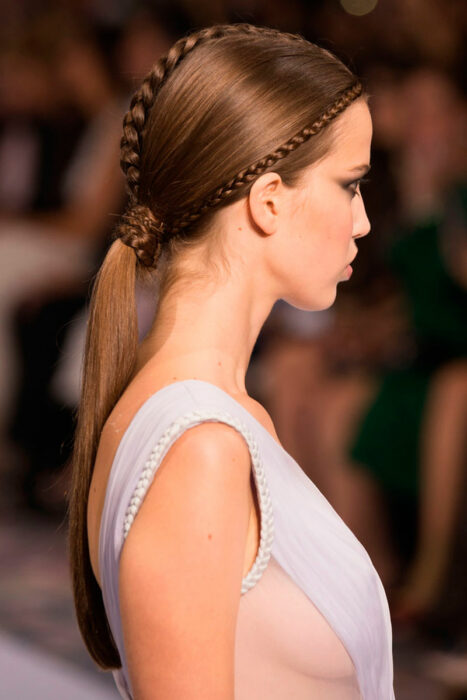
{"points": [[169, 436]]}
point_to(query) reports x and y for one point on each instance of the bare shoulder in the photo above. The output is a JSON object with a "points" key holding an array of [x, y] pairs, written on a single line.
{"points": [[205, 471], [182, 564]]}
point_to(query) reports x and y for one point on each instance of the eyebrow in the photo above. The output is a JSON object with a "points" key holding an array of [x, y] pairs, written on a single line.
{"points": [[361, 168]]}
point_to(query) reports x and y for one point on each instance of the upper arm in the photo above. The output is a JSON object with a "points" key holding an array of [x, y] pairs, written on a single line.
{"points": [[181, 569]]}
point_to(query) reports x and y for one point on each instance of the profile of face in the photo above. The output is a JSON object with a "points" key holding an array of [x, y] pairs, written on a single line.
{"points": [[312, 227]]}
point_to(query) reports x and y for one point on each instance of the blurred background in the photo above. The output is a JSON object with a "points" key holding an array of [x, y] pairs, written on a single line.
{"points": [[369, 396]]}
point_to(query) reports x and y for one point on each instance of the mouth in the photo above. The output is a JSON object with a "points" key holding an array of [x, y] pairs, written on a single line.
{"points": [[348, 268]]}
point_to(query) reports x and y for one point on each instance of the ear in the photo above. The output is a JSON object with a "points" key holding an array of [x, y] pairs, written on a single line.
{"points": [[265, 198]]}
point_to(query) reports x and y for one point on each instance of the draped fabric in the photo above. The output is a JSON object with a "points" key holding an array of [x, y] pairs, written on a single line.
{"points": [[313, 615]]}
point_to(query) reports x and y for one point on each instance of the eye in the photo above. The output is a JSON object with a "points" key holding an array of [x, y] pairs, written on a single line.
{"points": [[354, 185]]}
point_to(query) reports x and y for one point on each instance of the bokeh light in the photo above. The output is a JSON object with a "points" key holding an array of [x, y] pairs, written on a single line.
{"points": [[358, 7]]}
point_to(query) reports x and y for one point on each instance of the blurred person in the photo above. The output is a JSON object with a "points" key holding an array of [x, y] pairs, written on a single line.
{"points": [[443, 446], [243, 192], [28, 105], [38, 129], [50, 385], [47, 259], [432, 154], [38, 136]]}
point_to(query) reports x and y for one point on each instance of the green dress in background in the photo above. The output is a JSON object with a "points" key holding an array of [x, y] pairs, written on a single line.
{"points": [[388, 439]]}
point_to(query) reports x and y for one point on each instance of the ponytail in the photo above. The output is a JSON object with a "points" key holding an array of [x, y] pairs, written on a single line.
{"points": [[109, 360]]}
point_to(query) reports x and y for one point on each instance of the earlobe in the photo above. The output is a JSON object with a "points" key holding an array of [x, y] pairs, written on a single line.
{"points": [[264, 201]]}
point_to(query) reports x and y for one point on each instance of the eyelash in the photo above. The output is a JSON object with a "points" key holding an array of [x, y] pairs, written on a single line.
{"points": [[356, 183]]}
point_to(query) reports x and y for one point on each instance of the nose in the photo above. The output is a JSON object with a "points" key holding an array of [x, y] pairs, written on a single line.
{"points": [[361, 222]]}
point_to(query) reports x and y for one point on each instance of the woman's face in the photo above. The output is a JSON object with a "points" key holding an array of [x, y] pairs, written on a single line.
{"points": [[325, 213]]}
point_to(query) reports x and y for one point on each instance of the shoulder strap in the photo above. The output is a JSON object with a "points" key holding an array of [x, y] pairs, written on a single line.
{"points": [[170, 435]]}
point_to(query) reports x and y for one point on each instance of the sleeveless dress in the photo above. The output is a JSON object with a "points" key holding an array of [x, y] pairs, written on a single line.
{"points": [[313, 619]]}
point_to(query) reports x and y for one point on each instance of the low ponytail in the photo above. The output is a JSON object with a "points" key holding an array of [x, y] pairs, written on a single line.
{"points": [[109, 360]]}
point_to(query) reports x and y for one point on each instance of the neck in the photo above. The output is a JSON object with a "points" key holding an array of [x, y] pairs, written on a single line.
{"points": [[207, 333]]}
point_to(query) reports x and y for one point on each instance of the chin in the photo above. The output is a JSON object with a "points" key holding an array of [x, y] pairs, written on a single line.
{"points": [[317, 302]]}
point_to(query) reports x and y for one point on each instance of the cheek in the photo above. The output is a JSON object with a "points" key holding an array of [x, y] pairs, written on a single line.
{"points": [[318, 250], [330, 226]]}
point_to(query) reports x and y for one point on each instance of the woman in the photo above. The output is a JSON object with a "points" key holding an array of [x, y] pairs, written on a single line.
{"points": [[243, 151]]}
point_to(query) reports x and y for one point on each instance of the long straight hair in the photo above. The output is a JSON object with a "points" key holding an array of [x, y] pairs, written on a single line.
{"points": [[225, 105]]}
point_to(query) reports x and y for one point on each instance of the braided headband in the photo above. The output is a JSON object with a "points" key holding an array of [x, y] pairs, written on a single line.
{"points": [[255, 169], [143, 230]]}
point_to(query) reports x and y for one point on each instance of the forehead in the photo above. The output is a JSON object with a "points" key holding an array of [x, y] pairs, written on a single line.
{"points": [[351, 137]]}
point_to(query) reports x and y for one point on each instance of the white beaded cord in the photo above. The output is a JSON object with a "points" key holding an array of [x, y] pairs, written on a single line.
{"points": [[169, 436]]}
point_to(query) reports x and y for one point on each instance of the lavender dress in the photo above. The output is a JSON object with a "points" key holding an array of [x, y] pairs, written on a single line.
{"points": [[313, 618]]}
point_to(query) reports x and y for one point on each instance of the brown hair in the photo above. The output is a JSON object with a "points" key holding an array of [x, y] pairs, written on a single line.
{"points": [[225, 105]]}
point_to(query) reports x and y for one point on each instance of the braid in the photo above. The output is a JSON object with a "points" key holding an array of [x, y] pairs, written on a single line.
{"points": [[250, 173], [135, 119], [141, 230]]}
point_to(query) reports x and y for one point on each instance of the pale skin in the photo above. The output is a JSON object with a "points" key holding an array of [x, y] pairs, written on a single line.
{"points": [[179, 585]]}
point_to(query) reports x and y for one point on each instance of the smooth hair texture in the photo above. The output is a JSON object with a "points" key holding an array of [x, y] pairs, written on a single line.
{"points": [[225, 105]]}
